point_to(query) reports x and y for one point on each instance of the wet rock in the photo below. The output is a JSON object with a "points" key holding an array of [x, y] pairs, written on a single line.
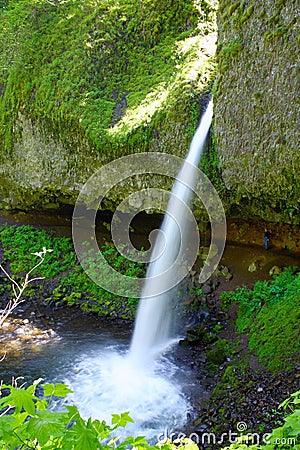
{"points": [[211, 301], [216, 284], [216, 355], [15, 334], [222, 271], [206, 289], [275, 270], [189, 301], [202, 357], [253, 267], [195, 334]]}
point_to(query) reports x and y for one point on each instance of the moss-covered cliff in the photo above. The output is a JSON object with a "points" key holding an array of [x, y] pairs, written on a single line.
{"points": [[83, 82], [257, 112]]}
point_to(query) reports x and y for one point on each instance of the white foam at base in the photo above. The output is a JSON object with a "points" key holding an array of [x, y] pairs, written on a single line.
{"points": [[108, 383]]}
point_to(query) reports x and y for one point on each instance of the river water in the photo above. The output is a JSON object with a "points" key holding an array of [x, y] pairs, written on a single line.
{"points": [[89, 355]]}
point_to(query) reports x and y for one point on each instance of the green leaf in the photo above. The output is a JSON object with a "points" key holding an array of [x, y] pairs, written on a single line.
{"points": [[7, 424], [138, 442], [276, 434], [81, 436], [293, 423], [57, 390], [121, 420], [87, 441], [20, 399], [41, 405], [46, 424], [11, 425], [32, 387], [102, 429], [73, 413]]}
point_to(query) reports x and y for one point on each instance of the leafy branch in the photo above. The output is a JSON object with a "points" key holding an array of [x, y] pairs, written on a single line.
{"points": [[18, 289]]}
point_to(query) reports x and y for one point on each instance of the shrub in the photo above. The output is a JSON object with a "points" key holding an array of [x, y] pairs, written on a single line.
{"points": [[27, 422]]}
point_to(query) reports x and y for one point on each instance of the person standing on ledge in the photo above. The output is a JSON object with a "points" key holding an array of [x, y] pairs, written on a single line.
{"points": [[267, 236]]}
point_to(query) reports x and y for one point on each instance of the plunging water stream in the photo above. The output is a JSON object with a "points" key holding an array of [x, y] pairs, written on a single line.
{"points": [[152, 327]]}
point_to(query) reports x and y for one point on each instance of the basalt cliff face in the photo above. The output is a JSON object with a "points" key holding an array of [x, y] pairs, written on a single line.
{"points": [[257, 107], [82, 84]]}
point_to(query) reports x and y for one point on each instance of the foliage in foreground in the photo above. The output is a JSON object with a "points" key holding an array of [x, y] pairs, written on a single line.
{"points": [[26, 422], [269, 313], [69, 282]]}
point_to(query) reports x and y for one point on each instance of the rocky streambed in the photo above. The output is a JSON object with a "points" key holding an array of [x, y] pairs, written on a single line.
{"points": [[242, 395], [17, 335]]}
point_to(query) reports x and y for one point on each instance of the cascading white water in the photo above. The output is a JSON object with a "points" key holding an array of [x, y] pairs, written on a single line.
{"points": [[113, 381], [152, 326]]}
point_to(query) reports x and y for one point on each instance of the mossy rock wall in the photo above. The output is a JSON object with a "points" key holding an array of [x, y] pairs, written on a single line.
{"points": [[257, 112], [83, 83]]}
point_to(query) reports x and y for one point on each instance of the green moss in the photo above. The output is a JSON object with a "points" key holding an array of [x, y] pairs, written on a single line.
{"points": [[233, 7], [273, 20], [280, 3], [244, 96], [262, 14], [100, 80], [247, 14], [210, 163], [219, 351], [257, 94], [78, 66], [19, 244], [229, 10], [233, 376], [70, 285], [270, 315], [274, 335], [235, 13], [279, 32], [227, 53], [76, 288]]}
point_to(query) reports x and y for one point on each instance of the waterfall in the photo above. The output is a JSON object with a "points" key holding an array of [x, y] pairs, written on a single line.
{"points": [[112, 380], [154, 317]]}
